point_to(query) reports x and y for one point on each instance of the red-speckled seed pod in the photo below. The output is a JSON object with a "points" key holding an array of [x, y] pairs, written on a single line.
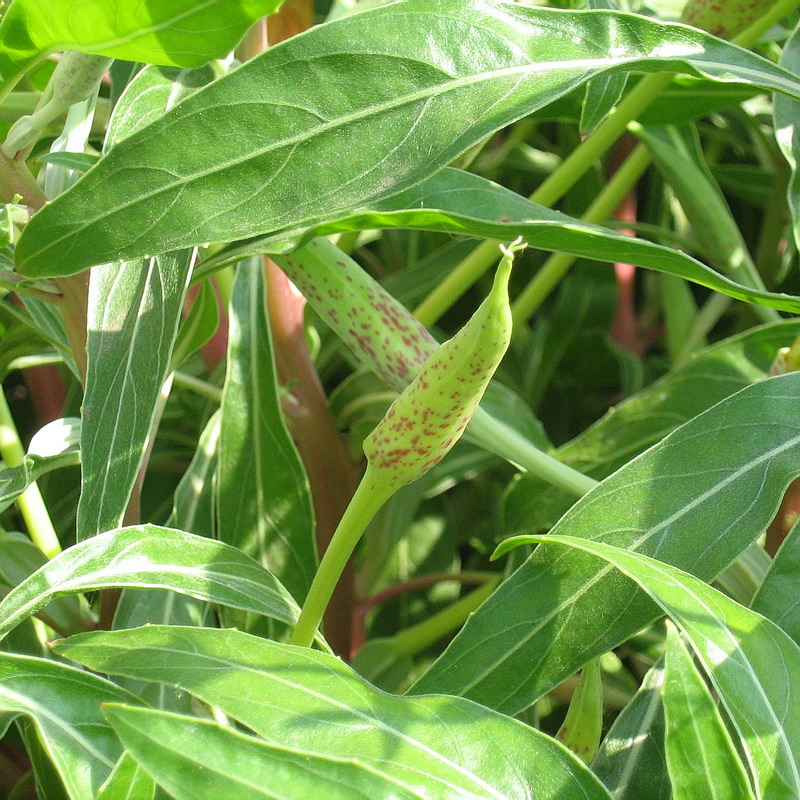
{"points": [[428, 418], [724, 18], [382, 332]]}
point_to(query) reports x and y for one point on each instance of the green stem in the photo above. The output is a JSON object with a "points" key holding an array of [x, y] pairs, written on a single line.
{"points": [[547, 278], [370, 495], [30, 502], [198, 386], [418, 637], [509, 444]]}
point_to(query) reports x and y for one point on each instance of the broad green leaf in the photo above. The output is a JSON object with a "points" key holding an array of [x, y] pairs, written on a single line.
{"points": [[787, 129], [644, 419], [751, 662], [462, 203], [777, 598], [696, 500], [200, 760], [128, 781], [148, 556], [263, 501], [64, 704], [441, 747], [133, 317], [19, 558], [181, 33], [424, 97], [701, 756], [631, 762]]}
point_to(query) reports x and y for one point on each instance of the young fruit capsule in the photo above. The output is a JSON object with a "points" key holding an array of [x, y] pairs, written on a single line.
{"points": [[724, 18], [430, 415]]}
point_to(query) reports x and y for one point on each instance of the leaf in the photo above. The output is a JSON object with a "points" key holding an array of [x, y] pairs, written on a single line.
{"points": [[64, 704], [19, 558], [80, 162], [631, 762], [750, 660], [777, 598], [148, 556], [263, 501], [441, 747], [133, 317], [198, 325], [15, 480], [199, 760], [696, 500], [644, 419], [128, 781], [787, 128], [700, 753], [182, 33], [459, 202], [423, 98]]}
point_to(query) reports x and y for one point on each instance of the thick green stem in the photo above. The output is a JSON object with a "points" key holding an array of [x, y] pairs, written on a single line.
{"points": [[599, 211], [507, 443], [367, 501], [30, 502]]}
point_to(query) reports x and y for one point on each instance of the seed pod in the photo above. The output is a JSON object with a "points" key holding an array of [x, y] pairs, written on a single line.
{"points": [[428, 418], [724, 18], [583, 725], [382, 332]]}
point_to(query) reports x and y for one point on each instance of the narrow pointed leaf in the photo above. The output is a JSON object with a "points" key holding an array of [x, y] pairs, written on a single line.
{"points": [[199, 760], [147, 556], [778, 598], [206, 172], [459, 202], [696, 500], [701, 756], [64, 704], [752, 663], [787, 128], [133, 317], [263, 501], [182, 33], [442, 747]]}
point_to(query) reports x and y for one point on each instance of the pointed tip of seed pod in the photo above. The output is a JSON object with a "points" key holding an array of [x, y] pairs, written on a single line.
{"points": [[503, 272]]}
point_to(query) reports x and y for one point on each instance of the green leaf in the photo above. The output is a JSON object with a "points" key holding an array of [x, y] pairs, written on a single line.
{"points": [[777, 598], [787, 128], [631, 762], [80, 162], [128, 781], [700, 753], [133, 317], [19, 558], [182, 33], [64, 704], [644, 419], [199, 324], [751, 662], [459, 202], [696, 500], [263, 501], [418, 106], [148, 556], [199, 760], [441, 747]]}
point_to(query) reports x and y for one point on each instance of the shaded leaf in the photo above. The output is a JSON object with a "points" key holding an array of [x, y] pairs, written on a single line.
{"points": [[787, 128], [128, 781], [441, 747]]}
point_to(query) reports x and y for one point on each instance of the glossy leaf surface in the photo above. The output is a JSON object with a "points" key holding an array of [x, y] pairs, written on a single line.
{"points": [[701, 756], [725, 471], [263, 502], [177, 183], [64, 704], [442, 747], [128, 781], [199, 760], [751, 662], [182, 33], [147, 556], [458, 202]]}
